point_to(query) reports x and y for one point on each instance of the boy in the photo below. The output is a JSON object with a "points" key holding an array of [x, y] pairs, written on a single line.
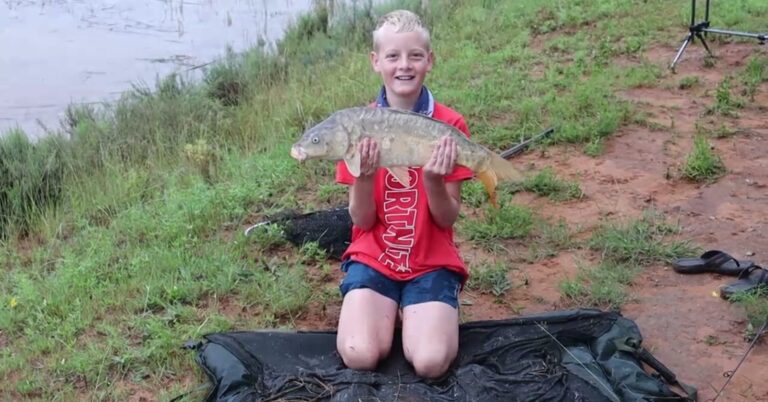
{"points": [[402, 254]]}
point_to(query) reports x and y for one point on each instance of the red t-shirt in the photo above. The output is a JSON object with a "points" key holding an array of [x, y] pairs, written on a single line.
{"points": [[405, 242]]}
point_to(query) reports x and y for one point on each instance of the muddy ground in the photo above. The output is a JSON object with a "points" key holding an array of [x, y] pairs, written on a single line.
{"points": [[685, 324]]}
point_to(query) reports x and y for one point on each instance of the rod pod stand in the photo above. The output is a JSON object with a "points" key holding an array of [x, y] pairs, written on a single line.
{"points": [[695, 30]]}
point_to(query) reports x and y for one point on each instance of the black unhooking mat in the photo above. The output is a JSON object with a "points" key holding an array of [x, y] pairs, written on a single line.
{"points": [[578, 355]]}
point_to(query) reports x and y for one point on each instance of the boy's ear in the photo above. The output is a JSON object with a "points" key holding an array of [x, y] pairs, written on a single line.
{"points": [[374, 56], [431, 59]]}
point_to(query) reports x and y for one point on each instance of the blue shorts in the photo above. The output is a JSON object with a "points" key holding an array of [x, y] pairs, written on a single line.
{"points": [[441, 285]]}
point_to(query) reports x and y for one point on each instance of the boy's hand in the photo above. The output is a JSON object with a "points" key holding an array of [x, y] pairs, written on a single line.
{"points": [[444, 198], [369, 156], [443, 159]]}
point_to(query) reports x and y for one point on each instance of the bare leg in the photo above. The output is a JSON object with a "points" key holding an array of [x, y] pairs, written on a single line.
{"points": [[430, 337], [366, 326]]}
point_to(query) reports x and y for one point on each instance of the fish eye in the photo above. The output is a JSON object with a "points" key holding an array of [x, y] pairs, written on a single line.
{"points": [[315, 140]]}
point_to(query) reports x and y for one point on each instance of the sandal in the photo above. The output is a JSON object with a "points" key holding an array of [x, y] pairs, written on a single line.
{"points": [[750, 279], [712, 261]]}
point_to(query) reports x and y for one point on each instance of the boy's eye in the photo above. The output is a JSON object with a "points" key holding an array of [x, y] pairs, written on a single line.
{"points": [[391, 56]]}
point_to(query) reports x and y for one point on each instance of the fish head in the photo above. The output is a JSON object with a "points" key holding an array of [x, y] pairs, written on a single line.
{"points": [[328, 140]]}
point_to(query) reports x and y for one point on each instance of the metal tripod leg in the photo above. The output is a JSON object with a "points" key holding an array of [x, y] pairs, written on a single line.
{"points": [[703, 42], [687, 41]]}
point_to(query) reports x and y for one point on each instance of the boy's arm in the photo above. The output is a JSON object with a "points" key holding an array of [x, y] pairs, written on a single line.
{"points": [[362, 206], [444, 198]]}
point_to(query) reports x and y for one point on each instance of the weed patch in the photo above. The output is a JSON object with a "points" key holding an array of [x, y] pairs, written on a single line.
{"points": [[546, 183], [756, 306], [725, 103], [507, 222], [688, 82], [604, 286], [490, 279], [702, 164], [625, 249], [31, 180], [641, 242], [753, 75]]}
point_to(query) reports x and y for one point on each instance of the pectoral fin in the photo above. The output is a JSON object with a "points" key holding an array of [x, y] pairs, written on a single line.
{"points": [[402, 175], [353, 163]]}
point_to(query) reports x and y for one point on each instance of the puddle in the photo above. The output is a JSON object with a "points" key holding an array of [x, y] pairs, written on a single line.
{"points": [[57, 52]]}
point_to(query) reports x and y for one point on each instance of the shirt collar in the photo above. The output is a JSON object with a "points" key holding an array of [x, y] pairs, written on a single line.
{"points": [[424, 105]]}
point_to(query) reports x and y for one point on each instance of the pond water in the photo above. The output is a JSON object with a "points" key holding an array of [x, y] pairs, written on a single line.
{"points": [[57, 52]]}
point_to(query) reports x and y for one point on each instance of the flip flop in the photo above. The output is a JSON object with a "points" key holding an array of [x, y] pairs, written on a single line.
{"points": [[712, 261], [752, 278]]}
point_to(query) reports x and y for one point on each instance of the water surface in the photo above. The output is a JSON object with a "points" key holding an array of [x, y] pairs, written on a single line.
{"points": [[57, 52]]}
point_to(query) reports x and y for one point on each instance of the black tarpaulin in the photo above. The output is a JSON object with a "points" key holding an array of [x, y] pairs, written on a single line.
{"points": [[579, 355]]}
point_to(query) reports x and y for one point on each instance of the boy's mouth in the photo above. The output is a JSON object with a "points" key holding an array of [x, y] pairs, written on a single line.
{"points": [[404, 77]]}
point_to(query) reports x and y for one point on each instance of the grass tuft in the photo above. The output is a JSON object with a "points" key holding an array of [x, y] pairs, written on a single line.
{"points": [[546, 183], [753, 75], [725, 103], [625, 250], [490, 279], [641, 242], [755, 304], [703, 164], [507, 222], [604, 286], [688, 82]]}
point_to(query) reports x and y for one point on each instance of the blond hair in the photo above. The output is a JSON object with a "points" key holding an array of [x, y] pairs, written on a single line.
{"points": [[401, 21]]}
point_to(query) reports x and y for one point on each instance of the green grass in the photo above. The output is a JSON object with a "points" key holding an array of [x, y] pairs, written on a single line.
{"points": [[688, 82], [725, 102], [604, 286], [756, 306], [753, 75], [125, 240], [490, 279], [642, 242], [594, 148], [507, 222], [702, 164], [625, 249], [546, 183]]}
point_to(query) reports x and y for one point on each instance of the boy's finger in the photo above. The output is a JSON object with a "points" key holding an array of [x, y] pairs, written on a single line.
{"points": [[375, 155]]}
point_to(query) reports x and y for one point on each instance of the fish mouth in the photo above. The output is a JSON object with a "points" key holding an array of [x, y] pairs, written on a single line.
{"points": [[298, 153]]}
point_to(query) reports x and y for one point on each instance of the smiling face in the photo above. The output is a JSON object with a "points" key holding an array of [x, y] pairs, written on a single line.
{"points": [[403, 60]]}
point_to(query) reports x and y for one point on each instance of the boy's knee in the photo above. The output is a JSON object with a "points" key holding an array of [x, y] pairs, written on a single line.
{"points": [[432, 362], [363, 355]]}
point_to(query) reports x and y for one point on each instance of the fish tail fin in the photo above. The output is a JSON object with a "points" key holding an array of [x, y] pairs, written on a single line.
{"points": [[489, 180], [504, 169], [499, 169]]}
